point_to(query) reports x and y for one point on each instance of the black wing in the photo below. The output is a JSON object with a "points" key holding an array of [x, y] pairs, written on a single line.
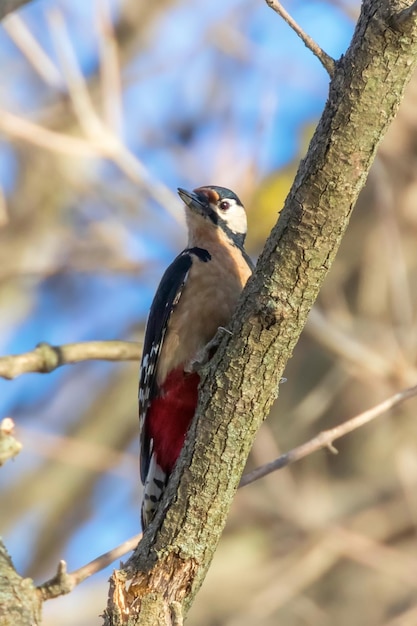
{"points": [[166, 298]]}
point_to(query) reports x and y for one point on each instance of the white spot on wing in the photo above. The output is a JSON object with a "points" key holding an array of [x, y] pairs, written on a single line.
{"points": [[155, 484]]}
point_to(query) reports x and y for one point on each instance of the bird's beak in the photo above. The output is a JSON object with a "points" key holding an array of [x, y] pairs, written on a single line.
{"points": [[197, 202]]}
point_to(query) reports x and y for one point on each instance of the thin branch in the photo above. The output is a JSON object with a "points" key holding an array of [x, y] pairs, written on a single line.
{"points": [[326, 438], [63, 582], [101, 562], [326, 60], [45, 358]]}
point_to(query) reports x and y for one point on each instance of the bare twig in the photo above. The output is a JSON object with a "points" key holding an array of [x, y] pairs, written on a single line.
{"points": [[327, 61], [326, 438], [105, 559], [63, 582], [45, 357]]}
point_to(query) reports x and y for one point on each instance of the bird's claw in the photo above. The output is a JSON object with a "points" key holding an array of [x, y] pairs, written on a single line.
{"points": [[206, 353]]}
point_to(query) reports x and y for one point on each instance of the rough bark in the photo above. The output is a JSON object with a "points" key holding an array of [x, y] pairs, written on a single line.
{"points": [[20, 603], [160, 581]]}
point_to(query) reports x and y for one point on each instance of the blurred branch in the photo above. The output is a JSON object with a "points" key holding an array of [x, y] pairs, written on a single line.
{"points": [[326, 438], [7, 6], [75, 451], [358, 540], [98, 132], [408, 617], [373, 554], [18, 127], [110, 71], [23, 38], [348, 347], [100, 139], [45, 357], [4, 213], [63, 582], [9, 446], [326, 60], [360, 359], [100, 142]]}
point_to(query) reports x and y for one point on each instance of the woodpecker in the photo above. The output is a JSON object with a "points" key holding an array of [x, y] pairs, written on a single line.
{"points": [[197, 295]]}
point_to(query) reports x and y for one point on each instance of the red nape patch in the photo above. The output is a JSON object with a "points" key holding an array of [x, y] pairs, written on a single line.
{"points": [[170, 415]]}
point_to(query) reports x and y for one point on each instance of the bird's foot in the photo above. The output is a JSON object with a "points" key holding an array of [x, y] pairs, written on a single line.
{"points": [[207, 352]]}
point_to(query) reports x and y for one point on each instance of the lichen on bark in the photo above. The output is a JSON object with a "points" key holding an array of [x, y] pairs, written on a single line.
{"points": [[20, 602]]}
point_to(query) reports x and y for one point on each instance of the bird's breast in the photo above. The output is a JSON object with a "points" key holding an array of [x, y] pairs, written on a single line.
{"points": [[208, 301]]}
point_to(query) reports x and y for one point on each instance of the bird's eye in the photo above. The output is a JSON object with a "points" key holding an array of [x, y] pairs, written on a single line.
{"points": [[224, 205]]}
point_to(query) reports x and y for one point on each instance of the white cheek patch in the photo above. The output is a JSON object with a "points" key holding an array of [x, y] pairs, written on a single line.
{"points": [[234, 217]]}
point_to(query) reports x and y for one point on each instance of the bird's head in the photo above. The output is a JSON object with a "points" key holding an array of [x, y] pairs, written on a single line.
{"points": [[216, 208]]}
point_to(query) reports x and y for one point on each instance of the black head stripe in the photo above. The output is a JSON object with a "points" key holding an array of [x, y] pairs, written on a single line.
{"points": [[226, 194], [237, 238], [213, 216]]}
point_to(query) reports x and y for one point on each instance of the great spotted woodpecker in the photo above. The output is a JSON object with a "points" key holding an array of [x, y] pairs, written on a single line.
{"points": [[196, 296]]}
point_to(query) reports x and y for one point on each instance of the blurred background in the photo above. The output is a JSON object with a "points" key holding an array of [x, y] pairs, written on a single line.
{"points": [[105, 108]]}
